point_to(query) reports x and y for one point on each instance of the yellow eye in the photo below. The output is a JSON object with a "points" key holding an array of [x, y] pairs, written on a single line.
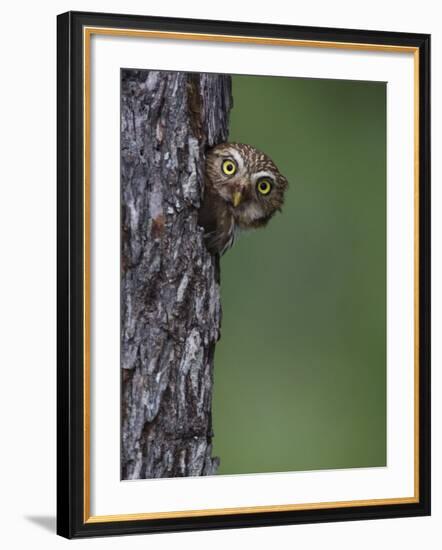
{"points": [[264, 186], [229, 167]]}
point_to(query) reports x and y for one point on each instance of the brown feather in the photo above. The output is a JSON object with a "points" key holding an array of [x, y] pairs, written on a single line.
{"points": [[218, 216]]}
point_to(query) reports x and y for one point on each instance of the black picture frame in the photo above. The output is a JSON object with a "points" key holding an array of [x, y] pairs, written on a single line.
{"points": [[71, 521]]}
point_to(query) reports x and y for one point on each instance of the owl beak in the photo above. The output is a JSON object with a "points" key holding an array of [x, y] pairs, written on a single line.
{"points": [[236, 198]]}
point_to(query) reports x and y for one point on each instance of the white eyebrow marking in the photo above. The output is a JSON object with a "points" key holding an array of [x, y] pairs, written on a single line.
{"points": [[237, 157], [262, 174]]}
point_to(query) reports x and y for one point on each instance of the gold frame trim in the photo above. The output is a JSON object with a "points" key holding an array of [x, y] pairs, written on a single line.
{"points": [[87, 33]]}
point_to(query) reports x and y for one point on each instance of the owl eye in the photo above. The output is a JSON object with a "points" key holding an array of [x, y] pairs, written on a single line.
{"points": [[264, 186], [229, 167]]}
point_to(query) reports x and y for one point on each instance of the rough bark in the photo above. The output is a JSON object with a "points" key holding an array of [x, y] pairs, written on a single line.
{"points": [[170, 303]]}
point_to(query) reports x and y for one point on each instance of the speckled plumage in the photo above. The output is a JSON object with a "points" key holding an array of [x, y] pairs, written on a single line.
{"points": [[233, 202]]}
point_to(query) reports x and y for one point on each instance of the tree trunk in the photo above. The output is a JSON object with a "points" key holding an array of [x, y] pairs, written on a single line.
{"points": [[170, 303]]}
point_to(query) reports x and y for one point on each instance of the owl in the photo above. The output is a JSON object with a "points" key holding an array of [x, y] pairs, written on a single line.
{"points": [[243, 190]]}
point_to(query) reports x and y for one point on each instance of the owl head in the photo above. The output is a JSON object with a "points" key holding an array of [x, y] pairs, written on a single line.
{"points": [[248, 181]]}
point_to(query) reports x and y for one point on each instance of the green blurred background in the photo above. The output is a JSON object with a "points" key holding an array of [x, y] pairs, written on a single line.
{"points": [[300, 370]]}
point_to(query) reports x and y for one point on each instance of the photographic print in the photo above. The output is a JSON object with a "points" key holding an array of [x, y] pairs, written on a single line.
{"points": [[253, 274], [243, 274]]}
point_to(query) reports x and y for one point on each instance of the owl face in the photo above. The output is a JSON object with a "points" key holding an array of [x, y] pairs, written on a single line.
{"points": [[248, 181]]}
